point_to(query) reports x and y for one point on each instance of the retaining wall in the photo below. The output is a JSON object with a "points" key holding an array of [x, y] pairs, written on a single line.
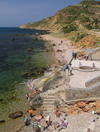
{"points": [[81, 93], [92, 81]]}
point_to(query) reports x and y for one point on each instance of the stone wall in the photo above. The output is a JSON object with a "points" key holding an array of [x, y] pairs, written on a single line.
{"points": [[82, 93], [93, 81]]}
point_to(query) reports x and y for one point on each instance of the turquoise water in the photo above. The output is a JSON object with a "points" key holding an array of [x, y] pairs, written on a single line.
{"points": [[15, 62]]}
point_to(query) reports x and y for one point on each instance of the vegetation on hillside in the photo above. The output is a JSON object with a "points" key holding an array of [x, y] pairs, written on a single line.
{"points": [[76, 19]]}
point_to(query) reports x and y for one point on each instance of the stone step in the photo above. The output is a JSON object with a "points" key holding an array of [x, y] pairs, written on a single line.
{"points": [[48, 101], [49, 97], [94, 85], [48, 111], [49, 108]]}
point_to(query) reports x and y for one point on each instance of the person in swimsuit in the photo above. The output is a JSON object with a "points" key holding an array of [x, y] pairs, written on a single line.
{"points": [[57, 111]]}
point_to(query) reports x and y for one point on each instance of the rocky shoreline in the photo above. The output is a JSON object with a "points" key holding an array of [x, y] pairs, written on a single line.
{"points": [[61, 50]]}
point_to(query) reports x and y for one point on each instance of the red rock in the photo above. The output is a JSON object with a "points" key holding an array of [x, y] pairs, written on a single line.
{"points": [[16, 114], [98, 104], [86, 108], [91, 105], [81, 104]]}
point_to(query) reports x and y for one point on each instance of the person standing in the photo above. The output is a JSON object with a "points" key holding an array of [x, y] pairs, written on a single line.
{"points": [[90, 57], [93, 66], [70, 69], [36, 127], [67, 69], [73, 54], [26, 120]]}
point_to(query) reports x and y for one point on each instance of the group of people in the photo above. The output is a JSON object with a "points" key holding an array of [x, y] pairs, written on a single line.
{"points": [[33, 88], [87, 57], [47, 122], [81, 67], [38, 119]]}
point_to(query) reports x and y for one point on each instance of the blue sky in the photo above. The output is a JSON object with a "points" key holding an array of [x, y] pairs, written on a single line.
{"points": [[14, 13]]}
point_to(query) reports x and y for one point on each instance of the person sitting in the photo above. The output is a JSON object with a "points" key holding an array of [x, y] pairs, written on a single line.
{"points": [[87, 57], [57, 111], [80, 65], [89, 130], [62, 125], [93, 66], [38, 117], [90, 57], [48, 122], [27, 96], [30, 112], [36, 127]]}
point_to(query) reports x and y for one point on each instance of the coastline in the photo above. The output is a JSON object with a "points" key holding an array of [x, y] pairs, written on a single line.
{"points": [[60, 47], [19, 97], [61, 50], [61, 53]]}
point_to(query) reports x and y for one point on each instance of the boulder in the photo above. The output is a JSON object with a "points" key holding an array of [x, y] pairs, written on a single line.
{"points": [[29, 48], [12, 39], [29, 74], [91, 105], [59, 50], [1, 100], [37, 34], [81, 104], [86, 108], [2, 121], [36, 102], [53, 44], [16, 114], [33, 41], [12, 98], [98, 104]]}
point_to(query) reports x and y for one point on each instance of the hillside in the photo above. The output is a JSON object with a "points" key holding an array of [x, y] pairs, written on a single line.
{"points": [[78, 22]]}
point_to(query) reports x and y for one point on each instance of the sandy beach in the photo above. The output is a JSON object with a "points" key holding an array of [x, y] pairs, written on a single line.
{"points": [[62, 49]]}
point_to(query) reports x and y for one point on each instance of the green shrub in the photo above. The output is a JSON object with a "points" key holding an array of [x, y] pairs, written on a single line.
{"points": [[69, 28], [80, 36]]}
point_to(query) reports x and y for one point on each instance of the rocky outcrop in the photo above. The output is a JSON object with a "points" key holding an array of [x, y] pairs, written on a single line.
{"points": [[78, 107], [36, 102], [16, 114], [29, 48], [81, 104], [2, 121]]}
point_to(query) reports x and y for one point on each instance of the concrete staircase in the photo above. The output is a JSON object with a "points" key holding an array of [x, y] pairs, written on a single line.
{"points": [[48, 104]]}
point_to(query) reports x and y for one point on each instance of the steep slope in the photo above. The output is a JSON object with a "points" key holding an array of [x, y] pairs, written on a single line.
{"points": [[76, 21], [87, 12]]}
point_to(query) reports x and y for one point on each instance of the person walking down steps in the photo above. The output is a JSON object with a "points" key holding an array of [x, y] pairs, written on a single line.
{"points": [[67, 69]]}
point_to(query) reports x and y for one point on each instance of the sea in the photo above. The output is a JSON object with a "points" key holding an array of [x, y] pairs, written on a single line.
{"points": [[17, 65]]}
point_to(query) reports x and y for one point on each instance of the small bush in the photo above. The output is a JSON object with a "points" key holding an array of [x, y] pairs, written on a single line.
{"points": [[80, 36], [69, 28]]}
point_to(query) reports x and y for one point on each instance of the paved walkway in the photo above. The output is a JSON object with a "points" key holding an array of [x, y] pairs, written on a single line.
{"points": [[75, 63], [78, 79]]}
